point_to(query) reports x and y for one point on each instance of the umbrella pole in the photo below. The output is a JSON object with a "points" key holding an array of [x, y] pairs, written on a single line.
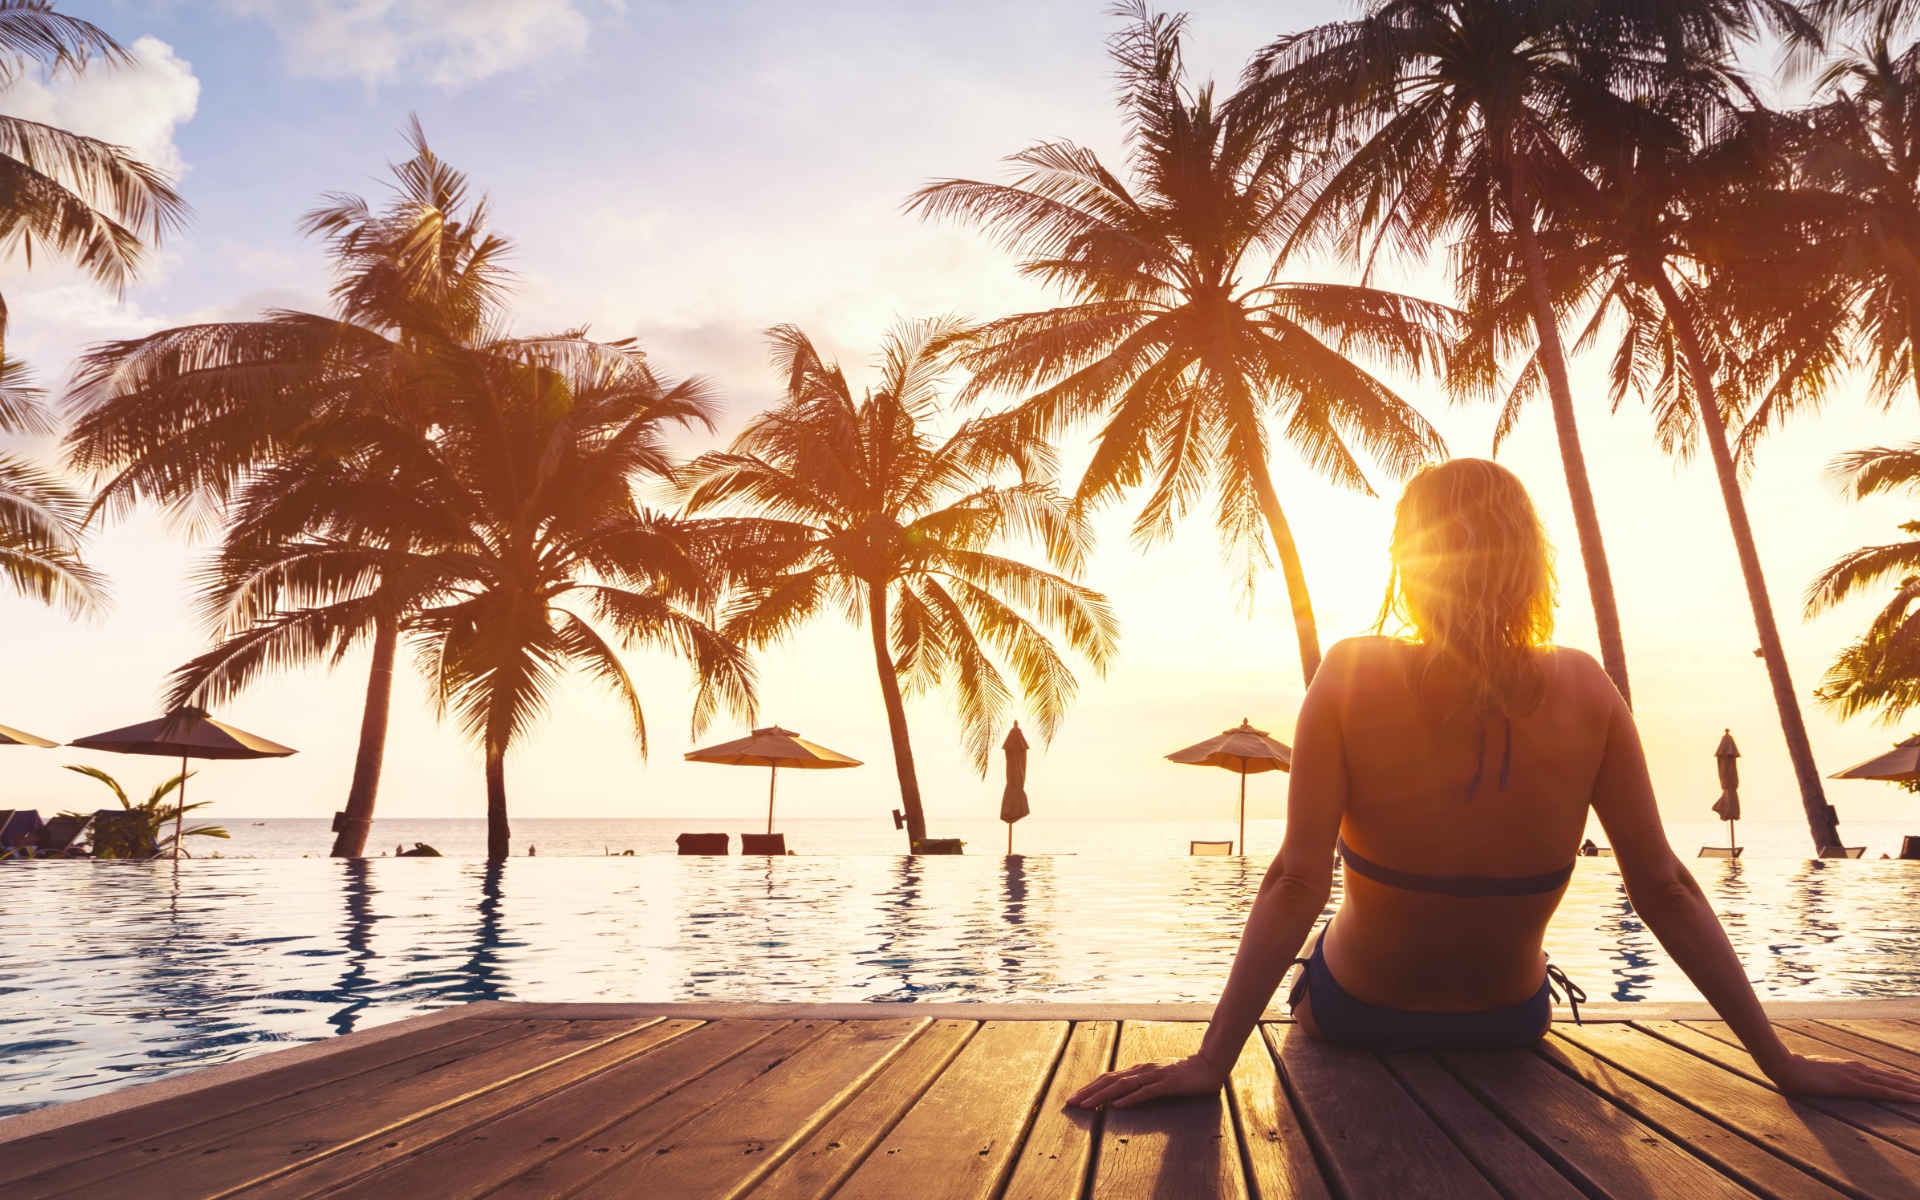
{"points": [[1733, 843], [1009, 839], [1243, 808], [180, 812], [773, 777]]}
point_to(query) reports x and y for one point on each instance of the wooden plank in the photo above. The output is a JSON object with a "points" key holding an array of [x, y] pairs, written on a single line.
{"points": [[1713, 1041], [1279, 1158], [1600, 1146], [1844, 1043], [23, 1157], [404, 1149], [843, 1143], [1372, 1136], [1167, 1149], [1829, 1148], [1054, 1159], [1730, 1153], [722, 1154], [332, 1111], [1513, 1166], [959, 1140], [1900, 1034], [672, 1104]]}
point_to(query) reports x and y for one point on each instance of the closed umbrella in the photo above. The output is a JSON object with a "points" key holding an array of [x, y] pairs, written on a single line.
{"points": [[14, 737], [1246, 750], [1897, 765], [1728, 805], [773, 747], [1013, 801], [184, 733]]}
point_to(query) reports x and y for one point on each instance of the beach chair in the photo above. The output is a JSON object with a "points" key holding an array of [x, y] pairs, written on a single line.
{"points": [[1721, 851], [1210, 849], [702, 843], [1910, 847], [1842, 851], [763, 843], [17, 823], [58, 836]]}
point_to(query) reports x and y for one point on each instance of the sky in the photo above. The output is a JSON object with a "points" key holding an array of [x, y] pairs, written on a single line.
{"points": [[691, 174]]}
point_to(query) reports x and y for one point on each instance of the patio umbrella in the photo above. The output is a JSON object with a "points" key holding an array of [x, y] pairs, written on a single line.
{"points": [[1013, 801], [184, 733], [1246, 750], [1728, 805], [13, 737], [773, 747], [1897, 765]]}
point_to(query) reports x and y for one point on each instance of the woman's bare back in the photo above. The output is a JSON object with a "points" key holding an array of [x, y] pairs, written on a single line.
{"points": [[1411, 766]]}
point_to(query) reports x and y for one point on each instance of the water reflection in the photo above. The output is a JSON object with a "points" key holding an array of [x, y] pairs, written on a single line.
{"points": [[117, 971]]}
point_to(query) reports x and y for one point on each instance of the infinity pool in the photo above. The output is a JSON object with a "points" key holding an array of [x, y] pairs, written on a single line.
{"points": [[119, 972]]}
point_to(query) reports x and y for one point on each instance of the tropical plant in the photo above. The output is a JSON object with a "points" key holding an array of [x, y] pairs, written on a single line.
{"points": [[1880, 672], [1181, 335], [494, 506], [187, 416], [860, 506], [1445, 116], [41, 517], [61, 194], [1669, 189], [147, 830]]}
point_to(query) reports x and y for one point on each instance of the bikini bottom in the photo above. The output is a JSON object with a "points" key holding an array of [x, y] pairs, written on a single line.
{"points": [[1347, 1021]]}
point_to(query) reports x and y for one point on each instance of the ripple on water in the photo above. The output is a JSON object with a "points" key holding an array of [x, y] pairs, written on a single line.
{"points": [[115, 972]]}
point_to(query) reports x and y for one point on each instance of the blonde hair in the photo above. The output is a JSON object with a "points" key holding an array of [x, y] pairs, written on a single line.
{"points": [[1473, 583]]}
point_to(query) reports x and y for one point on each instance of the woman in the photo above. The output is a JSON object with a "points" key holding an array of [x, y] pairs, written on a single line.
{"points": [[1453, 770]]}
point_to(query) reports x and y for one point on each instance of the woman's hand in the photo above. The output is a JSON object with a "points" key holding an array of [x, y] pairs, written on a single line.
{"points": [[1802, 1075], [1190, 1076]]}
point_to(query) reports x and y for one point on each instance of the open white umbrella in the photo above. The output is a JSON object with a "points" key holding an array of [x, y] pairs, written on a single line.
{"points": [[773, 747], [1897, 765], [184, 733], [1246, 750]]}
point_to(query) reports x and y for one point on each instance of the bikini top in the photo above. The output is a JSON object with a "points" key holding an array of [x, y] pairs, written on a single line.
{"points": [[1464, 886]]}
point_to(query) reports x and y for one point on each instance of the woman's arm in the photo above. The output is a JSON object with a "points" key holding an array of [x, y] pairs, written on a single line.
{"points": [[1668, 899], [1292, 896]]}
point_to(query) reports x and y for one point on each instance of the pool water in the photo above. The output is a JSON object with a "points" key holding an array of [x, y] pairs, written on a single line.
{"points": [[120, 972]]}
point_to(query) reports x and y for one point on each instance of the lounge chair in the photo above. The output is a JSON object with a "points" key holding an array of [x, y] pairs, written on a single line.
{"points": [[702, 843], [763, 843], [58, 836], [17, 823], [1721, 851], [1842, 851], [1910, 847], [1210, 849]]}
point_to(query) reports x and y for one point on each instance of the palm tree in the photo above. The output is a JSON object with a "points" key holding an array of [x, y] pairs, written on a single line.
{"points": [[1671, 187], [863, 509], [495, 509], [1882, 669], [75, 198], [185, 417], [1445, 115], [1181, 335], [41, 517]]}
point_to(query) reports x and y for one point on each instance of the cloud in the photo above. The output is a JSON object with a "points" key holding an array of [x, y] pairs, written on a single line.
{"points": [[138, 108], [443, 42]]}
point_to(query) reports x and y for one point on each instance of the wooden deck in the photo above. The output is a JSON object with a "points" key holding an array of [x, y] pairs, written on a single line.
{"points": [[916, 1102]]}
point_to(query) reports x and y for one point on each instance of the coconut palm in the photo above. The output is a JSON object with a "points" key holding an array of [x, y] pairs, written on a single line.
{"points": [[1446, 117], [185, 417], [1880, 671], [41, 517], [862, 508], [1181, 336], [73, 198], [1671, 191], [502, 522]]}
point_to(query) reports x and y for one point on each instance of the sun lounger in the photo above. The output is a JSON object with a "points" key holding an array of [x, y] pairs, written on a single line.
{"points": [[763, 843], [60, 834], [1721, 851], [1910, 847], [17, 823], [702, 843], [1842, 851], [1210, 849]]}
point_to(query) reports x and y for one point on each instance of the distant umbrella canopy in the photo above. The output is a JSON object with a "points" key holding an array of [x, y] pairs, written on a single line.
{"points": [[1897, 765], [14, 737], [772, 747], [1728, 755], [1245, 750], [1013, 801], [185, 733]]}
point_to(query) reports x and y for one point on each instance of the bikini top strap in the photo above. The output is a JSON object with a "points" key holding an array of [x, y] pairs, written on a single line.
{"points": [[1461, 886]]}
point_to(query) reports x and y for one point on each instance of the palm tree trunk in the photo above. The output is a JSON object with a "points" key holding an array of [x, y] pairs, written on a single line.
{"points": [[1822, 821], [1586, 518], [1304, 628], [350, 840], [896, 716], [499, 837]]}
